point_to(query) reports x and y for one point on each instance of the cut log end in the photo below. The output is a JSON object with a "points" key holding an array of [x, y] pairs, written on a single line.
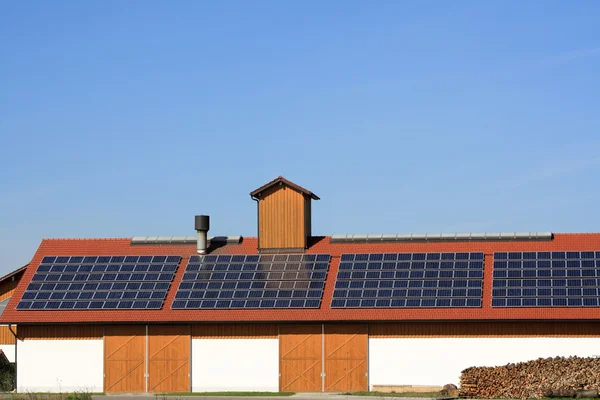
{"points": [[570, 377]]}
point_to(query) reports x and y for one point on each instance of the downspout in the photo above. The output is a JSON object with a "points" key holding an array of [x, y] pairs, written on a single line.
{"points": [[15, 335], [257, 221]]}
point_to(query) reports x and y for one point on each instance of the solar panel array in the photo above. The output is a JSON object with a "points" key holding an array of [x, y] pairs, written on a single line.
{"points": [[100, 282], [391, 280], [407, 280], [253, 281], [546, 279]]}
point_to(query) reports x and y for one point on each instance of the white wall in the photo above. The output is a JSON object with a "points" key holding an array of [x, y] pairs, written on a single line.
{"points": [[437, 361], [9, 351], [235, 365], [60, 365]]}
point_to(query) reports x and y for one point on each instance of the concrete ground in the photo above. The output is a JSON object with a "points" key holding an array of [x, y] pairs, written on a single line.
{"points": [[299, 396]]}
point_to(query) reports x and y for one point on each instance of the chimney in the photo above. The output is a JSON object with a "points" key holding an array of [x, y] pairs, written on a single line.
{"points": [[202, 227]]}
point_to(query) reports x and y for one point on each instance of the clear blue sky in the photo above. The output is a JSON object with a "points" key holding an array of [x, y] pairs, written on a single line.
{"points": [[124, 118]]}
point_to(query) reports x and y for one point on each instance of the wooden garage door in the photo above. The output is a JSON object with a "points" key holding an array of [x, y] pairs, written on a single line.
{"points": [[346, 358], [124, 358], [169, 358], [300, 358]]}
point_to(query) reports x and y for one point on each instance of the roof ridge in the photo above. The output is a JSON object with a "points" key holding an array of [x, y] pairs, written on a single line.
{"points": [[280, 179], [577, 233], [130, 238], [84, 239]]}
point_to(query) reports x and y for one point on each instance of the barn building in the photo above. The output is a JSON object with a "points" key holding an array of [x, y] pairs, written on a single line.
{"points": [[8, 340], [289, 311]]}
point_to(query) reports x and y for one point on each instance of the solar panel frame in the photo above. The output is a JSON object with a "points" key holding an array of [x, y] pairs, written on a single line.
{"points": [[253, 281], [546, 279], [419, 280], [83, 281]]}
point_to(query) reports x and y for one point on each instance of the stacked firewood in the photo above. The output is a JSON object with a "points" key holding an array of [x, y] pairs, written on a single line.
{"points": [[545, 377]]}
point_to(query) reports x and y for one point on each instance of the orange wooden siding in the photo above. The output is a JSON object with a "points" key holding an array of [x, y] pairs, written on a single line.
{"points": [[281, 222], [234, 331], [346, 354], [8, 287], [6, 291], [300, 358], [59, 332], [124, 359], [169, 348], [485, 329], [6, 336]]}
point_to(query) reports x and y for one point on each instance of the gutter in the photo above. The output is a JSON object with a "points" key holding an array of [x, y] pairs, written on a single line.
{"points": [[15, 335]]}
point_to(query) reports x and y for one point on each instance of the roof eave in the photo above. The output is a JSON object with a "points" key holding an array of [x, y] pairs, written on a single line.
{"points": [[256, 193], [13, 273]]}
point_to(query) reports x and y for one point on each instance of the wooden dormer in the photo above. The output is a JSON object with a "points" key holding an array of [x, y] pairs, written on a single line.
{"points": [[284, 215]]}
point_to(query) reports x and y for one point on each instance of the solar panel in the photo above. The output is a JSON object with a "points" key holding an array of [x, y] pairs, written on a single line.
{"points": [[409, 280], [253, 281], [100, 283], [546, 279]]}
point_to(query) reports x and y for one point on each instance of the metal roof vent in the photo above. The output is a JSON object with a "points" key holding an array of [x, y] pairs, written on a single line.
{"points": [[202, 227]]}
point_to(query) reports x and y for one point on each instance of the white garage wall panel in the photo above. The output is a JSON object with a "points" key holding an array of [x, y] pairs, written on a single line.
{"points": [[235, 365], [9, 351], [437, 361], [60, 365]]}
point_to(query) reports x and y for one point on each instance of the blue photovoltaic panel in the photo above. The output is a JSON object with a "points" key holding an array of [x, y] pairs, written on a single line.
{"points": [[100, 283], [409, 280], [253, 281], [546, 279]]}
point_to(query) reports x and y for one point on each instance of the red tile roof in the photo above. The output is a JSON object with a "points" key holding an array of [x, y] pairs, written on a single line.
{"points": [[56, 247]]}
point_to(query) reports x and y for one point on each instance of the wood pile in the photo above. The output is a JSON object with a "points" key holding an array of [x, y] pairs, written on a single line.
{"points": [[545, 377]]}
